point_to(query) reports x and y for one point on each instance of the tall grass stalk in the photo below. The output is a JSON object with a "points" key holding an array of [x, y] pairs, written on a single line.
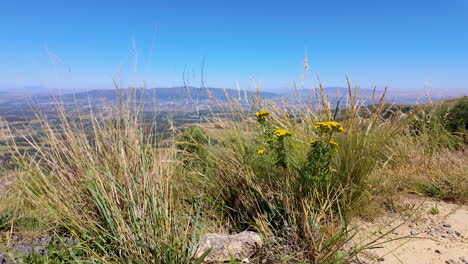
{"points": [[107, 183]]}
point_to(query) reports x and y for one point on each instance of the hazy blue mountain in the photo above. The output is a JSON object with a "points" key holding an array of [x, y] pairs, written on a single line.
{"points": [[158, 95], [367, 96], [188, 95]]}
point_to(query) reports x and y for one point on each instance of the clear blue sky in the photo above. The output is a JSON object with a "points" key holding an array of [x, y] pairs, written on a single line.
{"points": [[406, 44]]}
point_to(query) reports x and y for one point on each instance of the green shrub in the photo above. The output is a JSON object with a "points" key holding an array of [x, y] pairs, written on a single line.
{"points": [[57, 252], [5, 220], [429, 125], [192, 140], [457, 117]]}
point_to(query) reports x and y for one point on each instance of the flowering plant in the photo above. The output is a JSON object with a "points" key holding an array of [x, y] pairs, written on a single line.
{"points": [[320, 156], [262, 115]]}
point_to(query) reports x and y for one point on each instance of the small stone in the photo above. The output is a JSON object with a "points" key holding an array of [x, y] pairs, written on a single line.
{"points": [[449, 232], [224, 247], [464, 260], [413, 232], [450, 261], [444, 236], [381, 259], [447, 225], [457, 233], [438, 251]]}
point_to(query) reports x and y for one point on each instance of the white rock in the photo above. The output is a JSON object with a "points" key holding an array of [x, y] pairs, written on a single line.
{"points": [[225, 247]]}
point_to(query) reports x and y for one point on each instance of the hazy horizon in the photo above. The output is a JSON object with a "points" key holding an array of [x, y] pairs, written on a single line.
{"points": [[37, 90]]}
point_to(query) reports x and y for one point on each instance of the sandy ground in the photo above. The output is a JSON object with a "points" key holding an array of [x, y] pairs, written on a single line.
{"points": [[428, 237]]}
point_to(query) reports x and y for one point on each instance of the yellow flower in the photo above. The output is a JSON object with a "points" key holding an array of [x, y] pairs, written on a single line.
{"points": [[334, 143], [329, 126], [282, 133], [269, 140], [315, 140], [261, 151], [262, 115]]}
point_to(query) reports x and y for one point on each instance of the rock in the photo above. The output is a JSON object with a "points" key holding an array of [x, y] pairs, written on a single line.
{"points": [[447, 225], [413, 232], [450, 261], [449, 232], [225, 247], [348, 245], [464, 260], [438, 251], [457, 233], [381, 259]]}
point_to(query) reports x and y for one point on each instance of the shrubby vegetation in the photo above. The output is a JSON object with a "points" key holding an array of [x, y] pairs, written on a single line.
{"points": [[296, 175], [457, 117], [430, 157]]}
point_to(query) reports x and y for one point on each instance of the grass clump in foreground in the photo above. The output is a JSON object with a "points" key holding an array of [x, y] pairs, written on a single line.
{"points": [[111, 189], [294, 174]]}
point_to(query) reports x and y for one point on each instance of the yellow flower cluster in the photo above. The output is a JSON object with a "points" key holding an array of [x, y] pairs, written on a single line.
{"points": [[330, 126], [282, 133], [262, 115], [261, 151], [314, 141]]}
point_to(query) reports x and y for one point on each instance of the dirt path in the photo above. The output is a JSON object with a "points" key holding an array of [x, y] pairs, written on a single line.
{"points": [[432, 237]]}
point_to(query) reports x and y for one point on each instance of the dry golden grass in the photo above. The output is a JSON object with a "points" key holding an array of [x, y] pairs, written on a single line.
{"points": [[442, 174]]}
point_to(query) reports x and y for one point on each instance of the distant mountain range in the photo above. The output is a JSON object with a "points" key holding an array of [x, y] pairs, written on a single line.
{"points": [[369, 96], [167, 94], [188, 95], [172, 96]]}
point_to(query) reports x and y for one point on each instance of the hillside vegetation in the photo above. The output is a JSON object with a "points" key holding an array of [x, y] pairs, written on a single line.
{"points": [[297, 174]]}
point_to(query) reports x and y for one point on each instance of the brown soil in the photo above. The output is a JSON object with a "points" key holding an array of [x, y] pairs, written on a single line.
{"points": [[424, 236]]}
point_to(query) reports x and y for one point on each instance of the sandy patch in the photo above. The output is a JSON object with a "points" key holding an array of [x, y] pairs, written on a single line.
{"points": [[429, 238]]}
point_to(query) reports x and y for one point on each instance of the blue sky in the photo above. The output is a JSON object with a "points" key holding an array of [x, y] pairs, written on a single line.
{"points": [[83, 44]]}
